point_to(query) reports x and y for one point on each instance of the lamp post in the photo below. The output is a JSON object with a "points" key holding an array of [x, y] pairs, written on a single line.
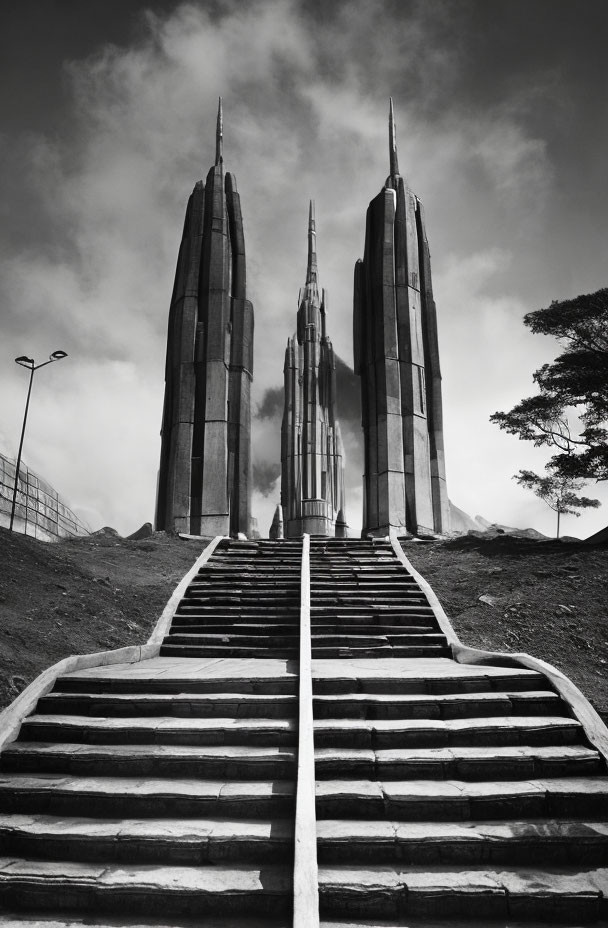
{"points": [[31, 365]]}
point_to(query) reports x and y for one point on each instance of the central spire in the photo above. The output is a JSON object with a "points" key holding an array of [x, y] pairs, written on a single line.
{"points": [[219, 134], [311, 268], [392, 141]]}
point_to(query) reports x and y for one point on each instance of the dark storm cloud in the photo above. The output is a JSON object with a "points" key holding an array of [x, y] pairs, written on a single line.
{"points": [[271, 405], [108, 121], [265, 475], [348, 388]]}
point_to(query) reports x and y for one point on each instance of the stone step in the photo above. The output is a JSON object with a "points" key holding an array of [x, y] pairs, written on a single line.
{"points": [[274, 606], [430, 843], [230, 636], [224, 705], [146, 889], [261, 640], [24, 919], [474, 732], [243, 582], [243, 600], [226, 563], [152, 797], [398, 610], [195, 841], [364, 598], [454, 800], [468, 763], [85, 729], [189, 624], [388, 567], [285, 683], [381, 650], [226, 619], [243, 560], [442, 706], [360, 640], [413, 922], [159, 760], [559, 894], [399, 623], [364, 585], [243, 564], [360, 625], [220, 610], [419, 681], [268, 589], [252, 570], [235, 650]]}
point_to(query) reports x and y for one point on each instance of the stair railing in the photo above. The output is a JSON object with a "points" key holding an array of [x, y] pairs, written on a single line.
{"points": [[305, 870]]}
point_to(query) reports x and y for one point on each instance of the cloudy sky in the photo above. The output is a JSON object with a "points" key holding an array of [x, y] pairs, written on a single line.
{"points": [[107, 121]]}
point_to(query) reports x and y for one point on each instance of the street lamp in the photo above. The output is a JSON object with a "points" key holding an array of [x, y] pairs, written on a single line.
{"points": [[31, 365]]}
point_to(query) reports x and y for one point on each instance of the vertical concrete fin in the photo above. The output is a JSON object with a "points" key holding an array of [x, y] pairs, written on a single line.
{"points": [[311, 265], [219, 134], [392, 141]]}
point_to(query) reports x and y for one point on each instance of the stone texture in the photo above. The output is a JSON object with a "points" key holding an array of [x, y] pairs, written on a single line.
{"points": [[397, 357], [204, 484], [312, 456], [447, 794]]}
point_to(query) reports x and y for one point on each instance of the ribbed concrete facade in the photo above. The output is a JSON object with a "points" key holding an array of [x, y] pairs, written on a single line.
{"points": [[397, 358], [204, 483], [312, 457]]}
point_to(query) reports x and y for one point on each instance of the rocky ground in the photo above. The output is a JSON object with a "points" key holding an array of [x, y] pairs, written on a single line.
{"points": [[547, 598], [502, 593], [80, 596]]}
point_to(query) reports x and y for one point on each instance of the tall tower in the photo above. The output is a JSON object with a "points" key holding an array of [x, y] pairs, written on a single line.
{"points": [[312, 458], [204, 485], [397, 358]]}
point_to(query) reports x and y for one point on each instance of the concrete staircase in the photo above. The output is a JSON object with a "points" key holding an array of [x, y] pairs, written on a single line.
{"points": [[165, 790], [447, 794], [364, 604], [246, 603], [162, 792], [145, 796]]}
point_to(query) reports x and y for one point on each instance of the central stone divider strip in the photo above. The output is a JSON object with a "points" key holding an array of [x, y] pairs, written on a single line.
{"points": [[305, 875]]}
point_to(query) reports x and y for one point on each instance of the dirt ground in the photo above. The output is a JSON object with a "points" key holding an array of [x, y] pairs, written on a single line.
{"points": [[75, 597], [547, 598], [80, 596]]}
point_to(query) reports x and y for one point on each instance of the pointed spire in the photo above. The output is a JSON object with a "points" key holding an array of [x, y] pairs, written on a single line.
{"points": [[392, 141], [219, 134], [311, 269]]}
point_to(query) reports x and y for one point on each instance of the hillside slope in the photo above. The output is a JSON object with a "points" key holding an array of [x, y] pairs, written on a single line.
{"points": [[74, 597], [79, 596], [547, 598]]}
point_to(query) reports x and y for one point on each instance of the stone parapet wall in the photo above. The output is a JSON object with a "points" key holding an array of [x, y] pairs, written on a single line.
{"points": [[40, 511]]}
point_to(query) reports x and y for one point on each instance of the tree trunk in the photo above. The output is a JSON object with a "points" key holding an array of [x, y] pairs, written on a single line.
{"points": [[558, 515]]}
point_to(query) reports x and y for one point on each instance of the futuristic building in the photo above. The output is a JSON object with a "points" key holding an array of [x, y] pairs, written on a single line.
{"points": [[312, 458], [397, 358], [204, 485]]}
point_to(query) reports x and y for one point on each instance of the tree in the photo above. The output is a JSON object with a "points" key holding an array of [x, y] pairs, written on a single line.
{"points": [[558, 492], [576, 380]]}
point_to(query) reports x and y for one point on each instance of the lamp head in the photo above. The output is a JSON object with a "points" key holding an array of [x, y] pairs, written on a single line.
{"points": [[58, 355], [24, 361]]}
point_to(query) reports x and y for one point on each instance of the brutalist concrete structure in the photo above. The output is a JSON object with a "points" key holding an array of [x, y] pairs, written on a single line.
{"points": [[204, 485], [397, 358], [312, 457]]}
